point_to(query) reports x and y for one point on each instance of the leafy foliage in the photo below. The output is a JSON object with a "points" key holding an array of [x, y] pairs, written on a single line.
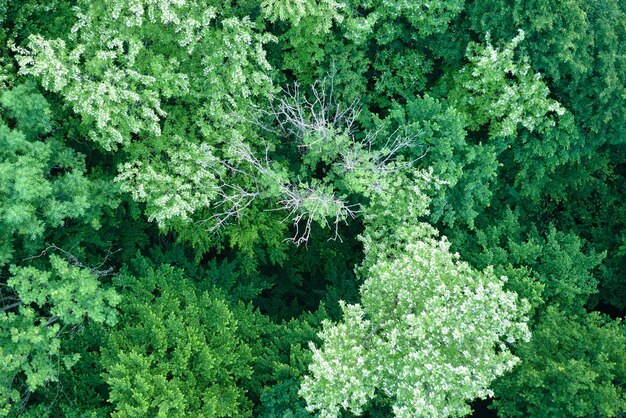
{"points": [[430, 335], [43, 183], [232, 208], [43, 306], [176, 351], [560, 376], [118, 84], [489, 96]]}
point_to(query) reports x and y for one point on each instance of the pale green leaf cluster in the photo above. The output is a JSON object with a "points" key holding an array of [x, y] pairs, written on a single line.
{"points": [[188, 181], [72, 293], [325, 11], [430, 334], [118, 103], [114, 73], [497, 89]]}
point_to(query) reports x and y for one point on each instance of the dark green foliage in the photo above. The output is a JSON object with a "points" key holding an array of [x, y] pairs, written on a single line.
{"points": [[176, 351], [25, 17], [574, 366], [557, 260], [283, 363]]}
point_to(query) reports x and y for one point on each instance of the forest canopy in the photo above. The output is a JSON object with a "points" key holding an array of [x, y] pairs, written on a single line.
{"points": [[312, 208]]}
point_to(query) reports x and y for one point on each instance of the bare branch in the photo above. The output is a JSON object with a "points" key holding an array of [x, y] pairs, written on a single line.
{"points": [[73, 260], [313, 120], [299, 117], [305, 205]]}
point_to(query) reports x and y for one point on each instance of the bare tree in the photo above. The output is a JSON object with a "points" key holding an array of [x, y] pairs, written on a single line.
{"points": [[312, 120], [234, 199], [297, 115], [306, 205]]}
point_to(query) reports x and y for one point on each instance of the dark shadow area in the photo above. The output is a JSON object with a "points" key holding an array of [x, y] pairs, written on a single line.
{"points": [[481, 409]]}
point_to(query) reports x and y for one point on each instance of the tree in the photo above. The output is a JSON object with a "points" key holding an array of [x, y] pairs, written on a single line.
{"points": [[487, 94], [43, 183], [499, 124], [576, 51], [176, 350], [574, 366], [40, 308], [430, 334], [128, 84]]}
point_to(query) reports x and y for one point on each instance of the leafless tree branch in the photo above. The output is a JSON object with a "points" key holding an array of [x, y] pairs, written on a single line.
{"points": [[73, 260]]}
